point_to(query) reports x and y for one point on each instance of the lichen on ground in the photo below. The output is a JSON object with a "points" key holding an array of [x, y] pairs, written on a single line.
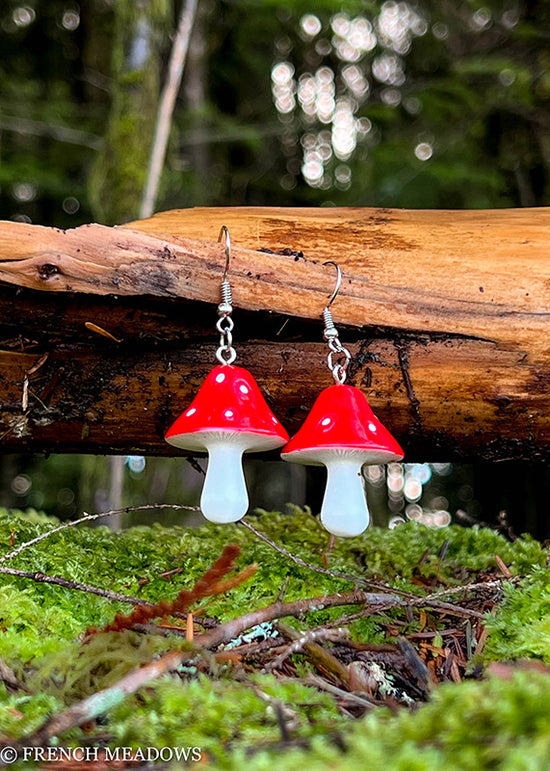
{"points": [[232, 708]]}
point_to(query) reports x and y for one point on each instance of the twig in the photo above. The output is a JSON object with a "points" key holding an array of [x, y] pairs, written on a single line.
{"points": [[319, 569], [496, 584], [89, 518], [297, 560], [166, 106], [412, 599], [283, 728], [318, 682], [208, 585], [28, 127], [282, 590], [231, 629], [416, 665], [100, 702], [385, 600], [9, 678], [303, 639], [42, 578], [503, 567]]}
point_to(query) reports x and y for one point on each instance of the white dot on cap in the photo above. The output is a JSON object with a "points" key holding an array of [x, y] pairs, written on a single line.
{"points": [[274, 419], [229, 413], [220, 378], [243, 389], [372, 427], [191, 411], [325, 421]]}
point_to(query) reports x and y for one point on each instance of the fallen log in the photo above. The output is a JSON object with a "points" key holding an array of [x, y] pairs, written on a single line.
{"points": [[447, 315]]}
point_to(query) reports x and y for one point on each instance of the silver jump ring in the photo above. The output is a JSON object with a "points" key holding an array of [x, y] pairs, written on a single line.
{"points": [[226, 355]]}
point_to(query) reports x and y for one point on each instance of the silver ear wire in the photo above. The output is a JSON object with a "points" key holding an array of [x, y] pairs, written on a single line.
{"points": [[224, 233], [225, 354], [330, 333]]}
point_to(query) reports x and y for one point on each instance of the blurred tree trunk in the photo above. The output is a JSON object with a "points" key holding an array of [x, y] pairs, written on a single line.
{"points": [[116, 488], [196, 99], [118, 176]]}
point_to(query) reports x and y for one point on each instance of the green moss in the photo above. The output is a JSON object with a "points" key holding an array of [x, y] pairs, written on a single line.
{"points": [[474, 726], [41, 628], [39, 618], [77, 670], [22, 714], [521, 627], [31, 626], [220, 716]]}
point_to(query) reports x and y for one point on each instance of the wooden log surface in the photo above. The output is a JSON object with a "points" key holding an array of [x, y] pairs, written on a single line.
{"points": [[447, 315]]}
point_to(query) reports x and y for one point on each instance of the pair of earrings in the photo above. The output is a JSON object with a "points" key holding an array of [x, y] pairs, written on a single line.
{"points": [[229, 416]]}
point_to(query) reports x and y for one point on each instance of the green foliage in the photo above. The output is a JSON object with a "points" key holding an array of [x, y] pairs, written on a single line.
{"points": [[32, 625], [473, 725], [412, 549], [22, 714], [221, 715], [521, 628], [121, 561], [75, 670]]}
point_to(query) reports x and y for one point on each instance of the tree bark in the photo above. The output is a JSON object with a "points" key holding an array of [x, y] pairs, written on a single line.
{"points": [[447, 315]]}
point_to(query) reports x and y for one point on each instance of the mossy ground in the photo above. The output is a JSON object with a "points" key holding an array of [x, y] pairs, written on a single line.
{"points": [[229, 711]]}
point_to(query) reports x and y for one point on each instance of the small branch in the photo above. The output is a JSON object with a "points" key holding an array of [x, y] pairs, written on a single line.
{"points": [[94, 705], [42, 578], [298, 608], [210, 584], [321, 658], [496, 584], [26, 126], [385, 599], [323, 571], [361, 701], [102, 701], [105, 593], [407, 597], [305, 638], [89, 518]]}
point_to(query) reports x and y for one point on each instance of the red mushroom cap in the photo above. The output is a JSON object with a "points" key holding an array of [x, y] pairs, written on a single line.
{"points": [[341, 418], [229, 401]]}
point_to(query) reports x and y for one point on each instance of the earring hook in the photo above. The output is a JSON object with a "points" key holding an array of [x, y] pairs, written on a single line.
{"points": [[224, 233], [225, 354], [338, 281], [343, 356]]}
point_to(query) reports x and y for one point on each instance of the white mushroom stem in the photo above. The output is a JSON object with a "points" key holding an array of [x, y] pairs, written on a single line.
{"points": [[344, 510], [224, 495]]}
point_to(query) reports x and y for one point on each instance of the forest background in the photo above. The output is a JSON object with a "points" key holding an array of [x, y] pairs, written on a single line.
{"points": [[389, 104]]}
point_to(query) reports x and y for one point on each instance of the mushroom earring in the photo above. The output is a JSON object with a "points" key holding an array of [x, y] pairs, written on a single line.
{"points": [[228, 416], [342, 433]]}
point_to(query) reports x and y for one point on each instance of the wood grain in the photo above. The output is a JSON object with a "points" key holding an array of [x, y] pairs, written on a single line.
{"points": [[447, 315]]}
